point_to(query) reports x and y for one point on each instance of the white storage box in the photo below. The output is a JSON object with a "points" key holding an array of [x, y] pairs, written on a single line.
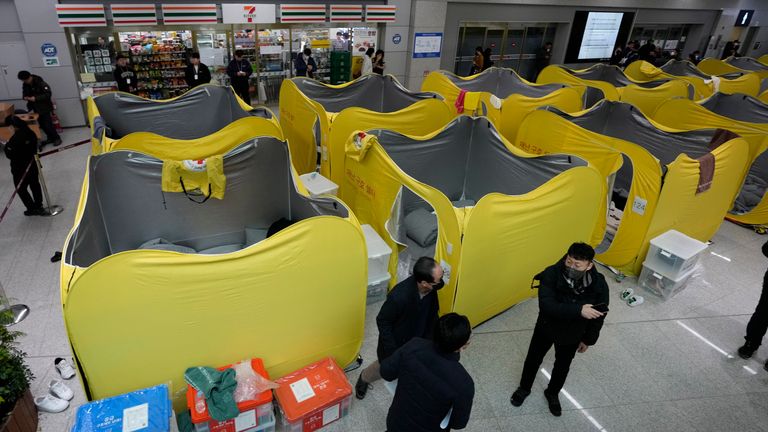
{"points": [[674, 254], [659, 284], [377, 288], [318, 185], [378, 254]]}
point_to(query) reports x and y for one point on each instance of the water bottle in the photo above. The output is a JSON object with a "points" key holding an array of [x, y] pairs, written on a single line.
{"points": [[199, 402]]}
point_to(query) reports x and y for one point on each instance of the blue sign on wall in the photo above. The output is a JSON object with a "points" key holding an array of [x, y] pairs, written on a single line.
{"points": [[396, 39], [427, 45], [49, 49]]}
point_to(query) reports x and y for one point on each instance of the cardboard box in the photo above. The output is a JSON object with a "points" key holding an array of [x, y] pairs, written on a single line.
{"points": [[6, 109]]}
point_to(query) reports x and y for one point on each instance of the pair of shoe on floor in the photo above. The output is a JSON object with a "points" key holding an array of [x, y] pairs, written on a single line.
{"points": [[38, 211], [746, 351], [57, 400], [628, 295], [518, 397]]}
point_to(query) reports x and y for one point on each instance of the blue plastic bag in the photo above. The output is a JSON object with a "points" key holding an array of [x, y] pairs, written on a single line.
{"points": [[140, 411]]}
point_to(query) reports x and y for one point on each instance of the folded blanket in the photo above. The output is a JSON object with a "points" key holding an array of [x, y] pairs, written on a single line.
{"points": [[163, 244], [421, 227]]}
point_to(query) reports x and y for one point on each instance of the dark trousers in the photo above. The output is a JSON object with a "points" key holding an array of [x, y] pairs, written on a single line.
{"points": [[541, 342], [30, 182], [242, 91], [758, 324], [46, 124]]}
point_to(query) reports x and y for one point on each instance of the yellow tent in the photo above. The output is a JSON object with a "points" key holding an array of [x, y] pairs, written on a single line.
{"points": [[617, 86], [500, 215], [763, 59], [745, 116], [503, 96], [319, 118], [644, 206], [202, 111], [763, 97], [155, 281]]}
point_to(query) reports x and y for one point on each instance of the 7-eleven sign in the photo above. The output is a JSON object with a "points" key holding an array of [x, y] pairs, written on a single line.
{"points": [[248, 13]]}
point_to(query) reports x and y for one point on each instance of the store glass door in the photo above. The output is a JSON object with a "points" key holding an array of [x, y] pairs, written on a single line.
{"points": [[494, 40], [513, 47], [472, 37]]}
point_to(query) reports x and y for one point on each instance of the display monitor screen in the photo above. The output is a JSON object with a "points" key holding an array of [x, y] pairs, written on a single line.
{"points": [[595, 35]]}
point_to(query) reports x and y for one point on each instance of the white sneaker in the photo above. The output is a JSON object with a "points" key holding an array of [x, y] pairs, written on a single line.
{"points": [[635, 300], [60, 390], [65, 369], [626, 294], [51, 404]]}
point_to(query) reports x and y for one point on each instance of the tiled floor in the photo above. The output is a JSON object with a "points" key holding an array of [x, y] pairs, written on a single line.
{"points": [[663, 366]]}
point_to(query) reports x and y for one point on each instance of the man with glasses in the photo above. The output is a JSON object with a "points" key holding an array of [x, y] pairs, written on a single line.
{"points": [[409, 311], [573, 301]]}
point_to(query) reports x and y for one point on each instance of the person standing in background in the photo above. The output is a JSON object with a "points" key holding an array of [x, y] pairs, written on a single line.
{"points": [[305, 64], [477, 61], [487, 62], [196, 73], [378, 62], [124, 75], [367, 62], [39, 96], [758, 324], [543, 57], [239, 71], [695, 57], [21, 150]]}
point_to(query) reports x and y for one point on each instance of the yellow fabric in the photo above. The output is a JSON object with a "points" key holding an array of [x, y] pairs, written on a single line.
{"points": [[308, 126], [643, 71], [748, 84], [717, 67], [689, 115], [554, 74], [505, 113], [763, 59], [648, 99], [211, 179], [517, 236], [160, 312], [763, 96]]}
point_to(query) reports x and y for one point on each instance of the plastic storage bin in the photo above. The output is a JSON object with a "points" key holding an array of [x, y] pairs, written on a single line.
{"points": [[661, 285], [147, 410], [378, 254], [313, 397], [377, 289], [674, 254], [318, 185], [255, 415]]}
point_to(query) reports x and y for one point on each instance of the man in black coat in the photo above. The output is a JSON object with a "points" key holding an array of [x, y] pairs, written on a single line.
{"points": [[432, 384], [21, 150], [239, 71], [573, 301], [196, 73], [38, 95], [758, 324], [409, 311]]}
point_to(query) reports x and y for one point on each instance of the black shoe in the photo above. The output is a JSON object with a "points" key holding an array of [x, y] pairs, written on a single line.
{"points": [[746, 350], [34, 212], [57, 142], [361, 387], [518, 397], [554, 403]]}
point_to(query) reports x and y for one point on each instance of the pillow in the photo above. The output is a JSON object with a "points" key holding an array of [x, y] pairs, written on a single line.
{"points": [[163, 244], [421, 227], [254, 235], [222, 249]]}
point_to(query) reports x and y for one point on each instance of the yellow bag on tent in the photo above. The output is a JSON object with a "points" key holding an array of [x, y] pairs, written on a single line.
{"points": [[189, 175], [309, 111], [516, 235], [648, 99]]}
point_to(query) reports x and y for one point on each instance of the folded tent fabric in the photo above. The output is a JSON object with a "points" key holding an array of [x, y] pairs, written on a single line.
{"points": [[217, 387]]}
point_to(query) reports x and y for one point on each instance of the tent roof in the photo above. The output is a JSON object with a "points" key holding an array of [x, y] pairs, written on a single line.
{"points": [[610, 74], [738, 107], [683, 68], [746, 63], [502, 83]]}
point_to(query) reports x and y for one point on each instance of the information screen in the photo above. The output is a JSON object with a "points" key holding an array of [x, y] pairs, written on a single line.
{"points": [[600, 35]]}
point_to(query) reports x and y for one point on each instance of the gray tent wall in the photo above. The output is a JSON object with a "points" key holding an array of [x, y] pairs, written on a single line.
{"points": [[126, 207], [746, 63], [747, 109], [683, 68], [373, 92], [197, 113]]}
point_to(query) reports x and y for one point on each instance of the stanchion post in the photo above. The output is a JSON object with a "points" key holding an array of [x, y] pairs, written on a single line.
{"points": [[50, 209]]}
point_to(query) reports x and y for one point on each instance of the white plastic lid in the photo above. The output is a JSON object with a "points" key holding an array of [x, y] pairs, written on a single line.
{"points": [[316, 184], [375, 244], [679, 244]]}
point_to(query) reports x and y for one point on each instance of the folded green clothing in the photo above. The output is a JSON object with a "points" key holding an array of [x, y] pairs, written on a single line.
{"points": [[218, 388]]}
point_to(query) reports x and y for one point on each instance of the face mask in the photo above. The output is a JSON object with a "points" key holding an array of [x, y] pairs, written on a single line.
{"points": [[573, 274], [438, 285]]}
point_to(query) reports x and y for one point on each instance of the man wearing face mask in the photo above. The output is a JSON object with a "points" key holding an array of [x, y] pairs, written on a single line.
{"points": [[409, 311], [573, 301]]}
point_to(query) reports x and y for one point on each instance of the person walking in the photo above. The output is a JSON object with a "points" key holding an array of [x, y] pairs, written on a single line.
{"points": [[758, 323], [239, 71], [378, 62], [196, 73], [39, 96], [305, 64], [21, 150], [432, 386], [409, 311], [573, 301]]}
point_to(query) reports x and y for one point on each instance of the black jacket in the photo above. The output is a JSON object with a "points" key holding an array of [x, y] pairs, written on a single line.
{"points": [[125, 77], [21, 148], [560, 307], [42, 93], [239, 66], [429, 384], [301, 66], [203, 75], [398, 317]]}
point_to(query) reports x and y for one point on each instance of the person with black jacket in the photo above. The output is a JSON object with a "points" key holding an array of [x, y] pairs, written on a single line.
{"points": [[573, 301], [124, 75], [409, 311], [38, 95], [196, 73], [21, 150], [239, 71], [431, 383], [305, 64], [758, 324]]}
